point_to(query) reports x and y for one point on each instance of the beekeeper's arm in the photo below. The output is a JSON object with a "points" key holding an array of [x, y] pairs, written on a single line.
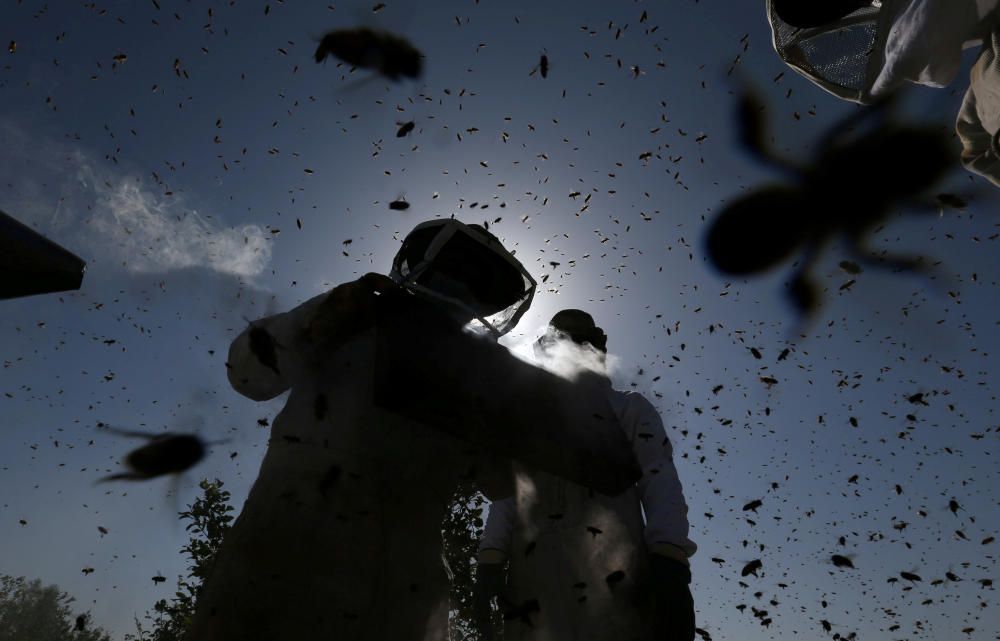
{"points": [[267, 354], [666, 531]]}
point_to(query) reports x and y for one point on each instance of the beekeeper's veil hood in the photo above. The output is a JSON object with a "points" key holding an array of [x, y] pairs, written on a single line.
{"points": [[838, 45], [465, 266], [861, 50]]}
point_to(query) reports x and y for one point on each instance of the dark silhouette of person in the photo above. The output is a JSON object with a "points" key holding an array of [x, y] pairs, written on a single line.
{"points": [[340, 536], [584, 566]]}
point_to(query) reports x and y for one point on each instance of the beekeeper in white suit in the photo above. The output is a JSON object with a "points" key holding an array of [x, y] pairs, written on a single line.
{"points": [[583, 566], [340, 536]]}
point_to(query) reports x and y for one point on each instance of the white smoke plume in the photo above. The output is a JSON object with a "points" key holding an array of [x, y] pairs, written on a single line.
{"points": [[562, 356], [152, 234], [107, 214]]}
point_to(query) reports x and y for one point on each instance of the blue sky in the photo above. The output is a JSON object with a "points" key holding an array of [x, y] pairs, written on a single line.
{"points": [[183, 193]]}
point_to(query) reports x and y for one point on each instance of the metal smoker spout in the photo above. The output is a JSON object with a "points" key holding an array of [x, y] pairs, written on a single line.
{"points": [[32, 264]]}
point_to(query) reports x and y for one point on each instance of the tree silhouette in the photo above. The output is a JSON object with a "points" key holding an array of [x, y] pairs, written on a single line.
{"points": [[209, 519], [461, 532], [30, 611]]}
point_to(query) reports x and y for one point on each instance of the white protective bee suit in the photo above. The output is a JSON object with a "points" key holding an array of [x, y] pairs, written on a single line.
{"points": [[582, 557], [336, 540], [340, 536]]}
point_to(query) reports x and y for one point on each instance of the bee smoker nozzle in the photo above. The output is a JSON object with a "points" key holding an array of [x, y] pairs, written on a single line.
{"points": [[32, 264]]}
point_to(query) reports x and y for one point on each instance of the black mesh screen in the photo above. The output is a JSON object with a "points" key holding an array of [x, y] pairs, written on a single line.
{"points": [[836, 55], [496, 282]]}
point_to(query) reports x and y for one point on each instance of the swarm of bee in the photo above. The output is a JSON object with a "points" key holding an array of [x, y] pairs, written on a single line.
{"points": [[390, 55]]}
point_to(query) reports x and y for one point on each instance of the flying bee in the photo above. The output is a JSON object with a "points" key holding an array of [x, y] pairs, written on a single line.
{"points": [[841, 561], [399, 204], [751, 568], [615, 578], [388, 54], [854, 183], [542, 67], [168, 453], [81, 622], [405, 128], [264, 347]]}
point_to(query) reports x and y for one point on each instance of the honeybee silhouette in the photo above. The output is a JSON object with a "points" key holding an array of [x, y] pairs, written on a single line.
{"points": [[858, 177]]}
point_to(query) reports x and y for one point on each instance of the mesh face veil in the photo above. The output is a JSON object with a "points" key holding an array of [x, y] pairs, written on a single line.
{"points": [[862, 50], [466, 267], [844, 56]]}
